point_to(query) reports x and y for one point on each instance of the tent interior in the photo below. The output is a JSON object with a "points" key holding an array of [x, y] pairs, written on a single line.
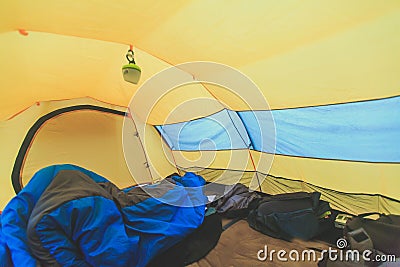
{"points": [[329, 72]]}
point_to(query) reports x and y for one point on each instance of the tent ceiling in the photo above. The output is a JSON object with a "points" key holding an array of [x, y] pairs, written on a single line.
{"points": [[235, 33], [300, 53]]}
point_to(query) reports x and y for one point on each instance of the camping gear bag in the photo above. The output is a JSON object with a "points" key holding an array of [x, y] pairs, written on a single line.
{"points": [[383, 232], [381, 236], [291, 215]]}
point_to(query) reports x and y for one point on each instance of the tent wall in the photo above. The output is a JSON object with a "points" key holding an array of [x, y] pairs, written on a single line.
{"points": [[354, 187], [354, 203], [158, 155], [88, 138], [91, 139], [351, 148]]}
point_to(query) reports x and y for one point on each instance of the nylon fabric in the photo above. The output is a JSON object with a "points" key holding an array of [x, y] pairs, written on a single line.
{"points": [[94, 229]]}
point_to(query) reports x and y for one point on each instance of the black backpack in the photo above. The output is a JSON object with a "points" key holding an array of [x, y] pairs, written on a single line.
{"points": [[288, 216]]}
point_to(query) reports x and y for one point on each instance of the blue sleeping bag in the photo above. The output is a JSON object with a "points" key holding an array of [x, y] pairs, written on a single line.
{"points": [[5, 257], [69, 216]]}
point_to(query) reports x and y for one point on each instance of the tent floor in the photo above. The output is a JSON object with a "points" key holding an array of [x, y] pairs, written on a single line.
{"points": [[239, 245]]}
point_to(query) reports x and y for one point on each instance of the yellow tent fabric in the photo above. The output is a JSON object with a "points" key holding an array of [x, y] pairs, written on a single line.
{"points": [[299, 53]]}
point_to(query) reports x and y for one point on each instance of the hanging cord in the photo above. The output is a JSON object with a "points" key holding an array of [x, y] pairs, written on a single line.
{"points": [[130, 55]]}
